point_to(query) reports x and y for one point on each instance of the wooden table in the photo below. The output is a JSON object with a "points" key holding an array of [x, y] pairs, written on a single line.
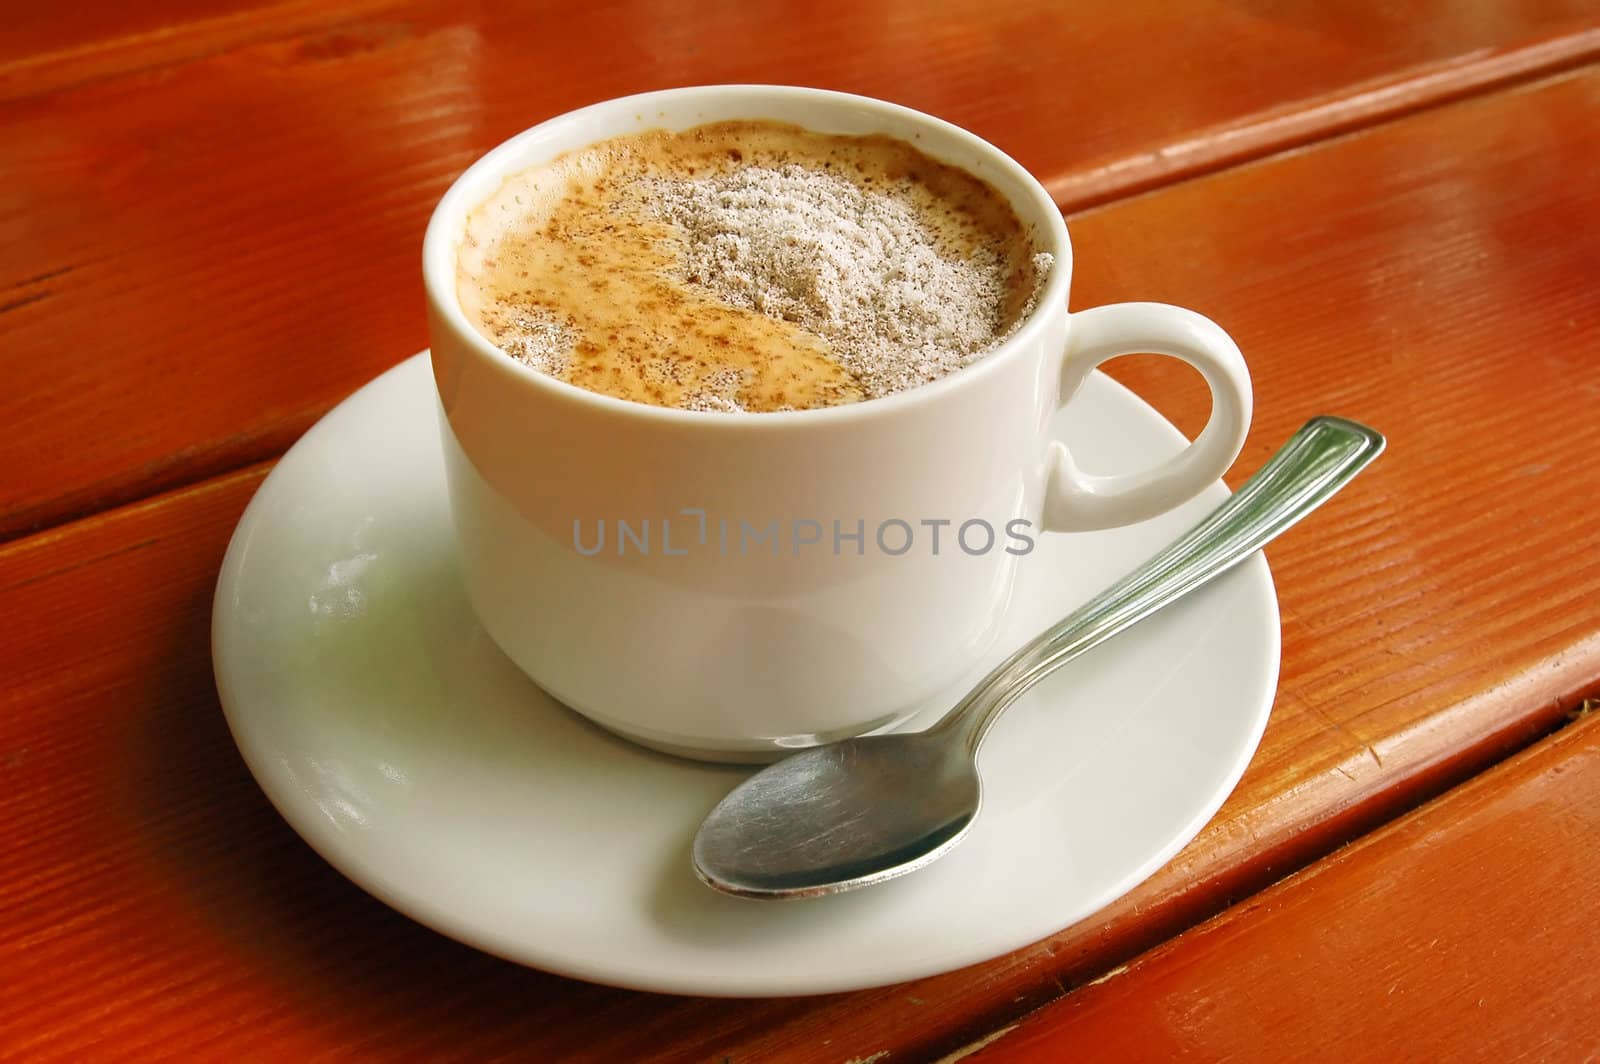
{"points": [[211, 216]]}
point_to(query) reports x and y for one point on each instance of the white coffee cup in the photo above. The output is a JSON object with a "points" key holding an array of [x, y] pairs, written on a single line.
{"points": [[730, 611]]}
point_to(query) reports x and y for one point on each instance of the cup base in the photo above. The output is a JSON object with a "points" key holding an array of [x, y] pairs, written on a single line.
{"points": [[758, 751]]}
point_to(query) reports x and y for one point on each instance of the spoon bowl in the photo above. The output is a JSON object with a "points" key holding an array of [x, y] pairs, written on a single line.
{"points": [[858, 812], [843, 812]]}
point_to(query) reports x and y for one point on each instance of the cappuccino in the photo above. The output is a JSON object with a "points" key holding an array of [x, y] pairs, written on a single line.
{"points": [[747, 266]]}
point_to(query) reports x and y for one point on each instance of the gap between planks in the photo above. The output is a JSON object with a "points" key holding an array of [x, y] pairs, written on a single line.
{"points": [[1572, 708]]}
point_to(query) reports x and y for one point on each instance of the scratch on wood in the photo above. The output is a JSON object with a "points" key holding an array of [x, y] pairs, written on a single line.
{"points": [[24, 301], [33, 282], [1344, 729], [41, 278], [967, 1051], [879, 1055], [79, 563], [1112, 974]]}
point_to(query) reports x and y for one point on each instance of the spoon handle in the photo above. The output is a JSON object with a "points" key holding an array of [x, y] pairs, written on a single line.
{"points": [[1316, 462]]}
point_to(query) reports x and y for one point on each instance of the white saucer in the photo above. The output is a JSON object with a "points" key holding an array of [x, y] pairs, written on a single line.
{"points": [[397, 740]]}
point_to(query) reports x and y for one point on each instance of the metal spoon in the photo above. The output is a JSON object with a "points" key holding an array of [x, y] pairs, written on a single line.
{"points": [[853, 813]]}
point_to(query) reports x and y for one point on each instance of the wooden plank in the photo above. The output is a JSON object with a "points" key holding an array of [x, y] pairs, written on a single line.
{"points": [[1465, 931], [212, 234], [42, 51], [1432, 275], [1389, 278]]}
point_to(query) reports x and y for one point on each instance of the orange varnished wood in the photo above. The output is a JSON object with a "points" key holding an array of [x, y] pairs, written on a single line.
{"points": [[1432, 275], [1465, 931], [211, 221], [1433, 278], [41, 50]]}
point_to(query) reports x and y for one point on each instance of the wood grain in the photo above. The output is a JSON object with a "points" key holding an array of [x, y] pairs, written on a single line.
{"points": [[1433, 275], [41, 51], [1465, 931], [1435, 279], [212, 216]]}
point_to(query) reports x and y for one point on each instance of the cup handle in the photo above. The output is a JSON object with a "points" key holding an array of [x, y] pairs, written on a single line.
{"points": [[1076, 501]]}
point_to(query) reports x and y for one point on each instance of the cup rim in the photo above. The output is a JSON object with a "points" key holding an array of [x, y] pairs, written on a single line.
{"points": [[445, 223]]}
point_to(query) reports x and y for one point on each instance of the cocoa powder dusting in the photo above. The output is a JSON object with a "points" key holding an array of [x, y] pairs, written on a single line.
{"points": [[747, 266]]}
